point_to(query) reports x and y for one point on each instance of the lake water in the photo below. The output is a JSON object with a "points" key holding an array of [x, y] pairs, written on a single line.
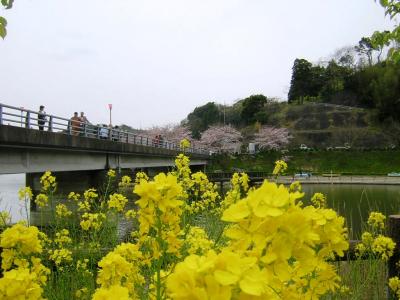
{"points": [[353, 201], [9, 186]]}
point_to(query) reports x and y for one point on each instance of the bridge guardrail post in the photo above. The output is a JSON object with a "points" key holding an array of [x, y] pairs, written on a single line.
{"points": [[50, 127], [1, 114], [98, 132], [147, 141], [69, 128], [28, 120]]}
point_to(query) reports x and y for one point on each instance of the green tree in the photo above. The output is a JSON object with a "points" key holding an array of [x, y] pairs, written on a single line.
{"points": [[202, 117], [251, 106], [365, 48], [392, 9], [307, 81], [7, 4]]}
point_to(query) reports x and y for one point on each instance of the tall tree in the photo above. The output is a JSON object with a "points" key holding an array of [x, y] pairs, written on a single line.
{"points": [[365, 48], [301, 78], [202, 117], [251, 106]]}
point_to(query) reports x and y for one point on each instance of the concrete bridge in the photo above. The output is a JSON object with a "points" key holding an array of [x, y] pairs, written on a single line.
{"points": [[33, 143]]}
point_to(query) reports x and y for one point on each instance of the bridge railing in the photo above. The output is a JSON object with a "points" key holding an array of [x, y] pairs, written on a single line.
{"points": [[21, 117]]}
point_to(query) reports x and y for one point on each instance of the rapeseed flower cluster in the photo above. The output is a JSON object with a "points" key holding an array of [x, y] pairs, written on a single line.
{"points": [[159, 213], [62, 211], [25, 193], [92, 221], [376, 220], [238, 190], [111, 173], [394, 284], [197, 241], [375, 243], [184, 144], [125, 182], [89, 197], [141, 176], [273, 247], [23, 273], [277, 250], [59, 253], [318, 200], [72, 196], [119, 268], [41, 200], [280, 167], [60, 257], [117, 201], [201, 194], [48, 182]]}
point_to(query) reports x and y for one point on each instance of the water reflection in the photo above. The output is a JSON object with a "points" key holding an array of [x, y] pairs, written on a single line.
{"points": [[355, 201], [9, 186]]}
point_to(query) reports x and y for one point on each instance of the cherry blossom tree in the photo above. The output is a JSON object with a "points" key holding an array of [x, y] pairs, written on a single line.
{"points": [[271, 138], [171, 133], [221, 139]]}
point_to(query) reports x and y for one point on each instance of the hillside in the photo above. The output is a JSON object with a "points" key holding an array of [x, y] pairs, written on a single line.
{"points": [[317, 125]]}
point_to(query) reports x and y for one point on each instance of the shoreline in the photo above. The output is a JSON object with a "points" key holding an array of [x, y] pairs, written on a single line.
{"points": [[376, 180]]}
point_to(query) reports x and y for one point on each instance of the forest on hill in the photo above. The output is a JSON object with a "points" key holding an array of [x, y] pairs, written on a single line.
{"points": [[352, 98]]}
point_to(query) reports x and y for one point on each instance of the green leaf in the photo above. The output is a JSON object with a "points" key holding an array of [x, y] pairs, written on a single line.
{"points": [[3, 21], [7, 3], [3, 31]]}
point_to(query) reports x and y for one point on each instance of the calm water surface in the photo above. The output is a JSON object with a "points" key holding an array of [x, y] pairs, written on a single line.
{"points": [[354, 201], [9, 186]]}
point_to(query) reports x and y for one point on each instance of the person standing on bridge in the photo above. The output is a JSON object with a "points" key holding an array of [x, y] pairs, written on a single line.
{"points": [[75, 124], [41, 118], [84, 122]]}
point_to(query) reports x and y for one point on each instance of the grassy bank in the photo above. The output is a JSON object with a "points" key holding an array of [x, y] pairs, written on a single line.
{"points": [[352, 162]]}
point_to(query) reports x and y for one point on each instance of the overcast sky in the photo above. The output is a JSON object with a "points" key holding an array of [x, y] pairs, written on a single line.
{"points": [[156, 60]]}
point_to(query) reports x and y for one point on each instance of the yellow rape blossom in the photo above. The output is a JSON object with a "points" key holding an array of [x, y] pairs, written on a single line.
{"points": [[125, 181], [92, 221], [112, 292], [73, 196], [20, 284], [117, 201], [111, 173], [394, 284], [25, 193], [280, 167], [383, 247], [62, 211], [90, 195], [25, 239], [62, 238], [48, 182], [376, 220], [42, 200], [184, 144], [163, 193], [318, 200], [197, 241], [141, 176], [60, 256]]}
